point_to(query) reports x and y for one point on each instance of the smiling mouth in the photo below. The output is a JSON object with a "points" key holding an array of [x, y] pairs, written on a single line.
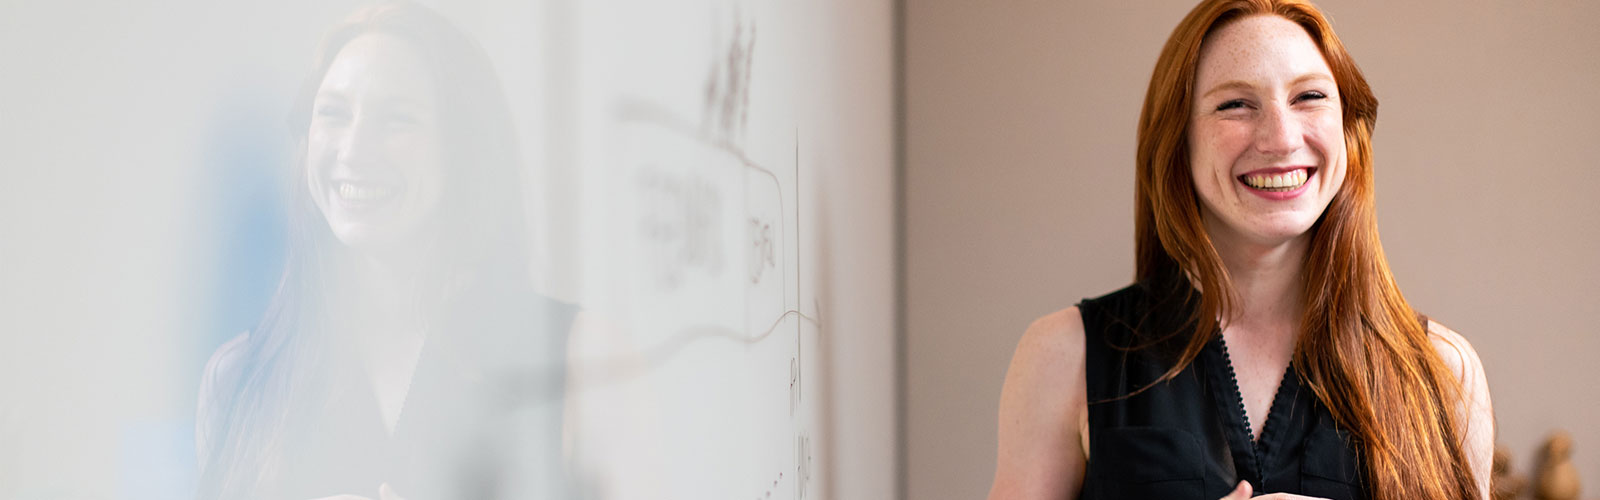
{"points": [[1278, 182], [364, 193]]}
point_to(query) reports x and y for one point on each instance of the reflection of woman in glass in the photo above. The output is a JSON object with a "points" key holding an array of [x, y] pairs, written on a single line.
{"points": [[404, 350], [1264, 346]]}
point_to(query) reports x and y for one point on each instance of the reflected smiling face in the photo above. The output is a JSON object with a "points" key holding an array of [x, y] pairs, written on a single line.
{"points": [[1266, 134], [373, 155]]}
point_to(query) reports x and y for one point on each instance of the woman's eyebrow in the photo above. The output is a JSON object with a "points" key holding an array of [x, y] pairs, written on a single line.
{"points": [[402, 101], [1229, 85], [330, 95], [387, 101], [1312, 76], [1242, 85]]}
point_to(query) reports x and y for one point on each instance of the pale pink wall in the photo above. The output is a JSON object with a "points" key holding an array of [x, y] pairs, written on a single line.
{"points": [[1019, 167]]}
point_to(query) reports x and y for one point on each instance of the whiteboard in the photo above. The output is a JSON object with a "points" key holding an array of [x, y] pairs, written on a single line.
{"points": [[704, 383]]}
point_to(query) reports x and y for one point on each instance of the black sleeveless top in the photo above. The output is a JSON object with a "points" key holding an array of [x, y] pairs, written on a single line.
{"points": [[482, 417], [1189, 437]]}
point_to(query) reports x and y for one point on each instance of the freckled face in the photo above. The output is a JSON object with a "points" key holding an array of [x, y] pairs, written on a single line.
{"points": [[372, 157], [1266, 134]]}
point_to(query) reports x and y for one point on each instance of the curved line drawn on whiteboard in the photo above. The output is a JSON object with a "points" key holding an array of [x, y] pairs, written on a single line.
{"points": [[680, 198], [694, 161], [622, 368], [698, 181], [532, 386], [643, 112], [515, 387], [724, 116]]}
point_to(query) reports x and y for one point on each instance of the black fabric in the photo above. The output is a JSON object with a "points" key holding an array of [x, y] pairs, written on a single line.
{"points": [[1187, 438], [487, 384]]}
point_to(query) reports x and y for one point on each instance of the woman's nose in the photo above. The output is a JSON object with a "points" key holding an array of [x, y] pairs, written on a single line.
{"points": [[360, 145], [1279, 132]]}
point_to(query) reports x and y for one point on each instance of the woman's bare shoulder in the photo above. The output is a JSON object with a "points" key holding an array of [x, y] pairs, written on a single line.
{"points": [[1054, 336], [1476, 407], [1048, 359], [1456, 352], [226, 363]]}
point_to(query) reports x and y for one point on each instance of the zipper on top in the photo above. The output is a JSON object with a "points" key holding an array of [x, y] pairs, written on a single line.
{"points": [[1244, 416]]}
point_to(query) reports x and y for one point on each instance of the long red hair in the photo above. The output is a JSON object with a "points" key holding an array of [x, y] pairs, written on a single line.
{"points": [[1362, 349], [284, 361]]}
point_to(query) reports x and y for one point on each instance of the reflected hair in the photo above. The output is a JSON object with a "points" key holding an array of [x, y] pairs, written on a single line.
{"points": [[1362, 349], [478, 236]]}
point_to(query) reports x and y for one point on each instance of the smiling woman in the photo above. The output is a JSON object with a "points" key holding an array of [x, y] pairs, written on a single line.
{"points": [[1266, 123], [373, 160], [1264, 346], [405, 353]]}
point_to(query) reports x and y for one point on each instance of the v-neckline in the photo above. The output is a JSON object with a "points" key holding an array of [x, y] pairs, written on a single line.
{"points": [[391, 430], [1258, 445]]}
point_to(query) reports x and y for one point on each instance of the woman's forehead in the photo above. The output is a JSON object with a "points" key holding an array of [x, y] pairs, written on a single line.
{"points": [[1258, 49], [378, 67]]}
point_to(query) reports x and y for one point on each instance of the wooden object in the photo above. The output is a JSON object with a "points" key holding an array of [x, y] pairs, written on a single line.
{"points": [[1556, 478], [1504, 485]]}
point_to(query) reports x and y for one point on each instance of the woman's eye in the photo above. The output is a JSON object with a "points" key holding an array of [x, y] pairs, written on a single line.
{"points": [[331, 112], [400, 120], [1312, 95], [1234, 104]]}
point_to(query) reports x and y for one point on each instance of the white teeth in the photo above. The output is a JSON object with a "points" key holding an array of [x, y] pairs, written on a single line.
{"points": [[1278, 182], [352, 192]]}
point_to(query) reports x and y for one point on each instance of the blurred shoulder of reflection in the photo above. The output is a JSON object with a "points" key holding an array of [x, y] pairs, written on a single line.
{"points": [[480, 416]]}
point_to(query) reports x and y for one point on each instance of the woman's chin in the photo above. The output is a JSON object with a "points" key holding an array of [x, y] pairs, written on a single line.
{"points": [[366, 237], [1282, 232], [1261, 229]]}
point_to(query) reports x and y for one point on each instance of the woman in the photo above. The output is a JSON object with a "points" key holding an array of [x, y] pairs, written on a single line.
{"points": [[404, 354], [1264, 346]]}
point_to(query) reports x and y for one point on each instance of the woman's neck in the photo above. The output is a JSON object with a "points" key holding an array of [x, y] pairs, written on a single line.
{"points": [[384, 292], [391, 331], [1268, 281]]}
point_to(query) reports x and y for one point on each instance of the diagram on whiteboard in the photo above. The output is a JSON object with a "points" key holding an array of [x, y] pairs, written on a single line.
{"points": [[701, 382]]}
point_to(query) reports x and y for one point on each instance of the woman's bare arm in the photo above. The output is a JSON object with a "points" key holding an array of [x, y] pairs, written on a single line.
{"points": [[1478, 440], [1041, 413]]}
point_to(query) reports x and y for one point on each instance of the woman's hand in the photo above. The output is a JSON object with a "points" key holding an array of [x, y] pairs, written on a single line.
{"points": [[1244, 490]]}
